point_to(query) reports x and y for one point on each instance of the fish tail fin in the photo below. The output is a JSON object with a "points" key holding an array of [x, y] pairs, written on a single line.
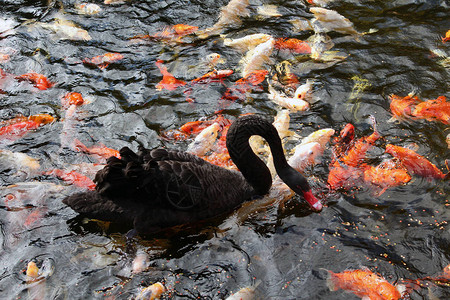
{"points": [[79, 146], [331, 281]]}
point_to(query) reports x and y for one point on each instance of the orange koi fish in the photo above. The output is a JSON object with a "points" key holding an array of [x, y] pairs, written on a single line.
{"points": [[243, 85], [447, 37], [402, 107], [344, 141], [292, 44], [433, 110], [215, 75], [73, 177], [103, 61], [38, 80], [101, 150], [343, 176], [415, 163], [169, 82], [357, 152], [385, 175], [72, 98], [20, 126], [364, 284], [170, 32]]}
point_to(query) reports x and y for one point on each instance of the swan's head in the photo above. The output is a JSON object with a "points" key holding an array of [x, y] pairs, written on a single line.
{"points": [[300, 185]]}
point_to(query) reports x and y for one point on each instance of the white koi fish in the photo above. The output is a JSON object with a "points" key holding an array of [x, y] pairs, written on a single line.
{"points": [[330, 20], [256, 57], [205, 140], [290, 103], [247, 42], [304, 91], [66, 30]]}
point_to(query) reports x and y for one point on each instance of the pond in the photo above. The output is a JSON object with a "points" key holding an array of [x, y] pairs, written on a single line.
{"points": [[284, 251]]}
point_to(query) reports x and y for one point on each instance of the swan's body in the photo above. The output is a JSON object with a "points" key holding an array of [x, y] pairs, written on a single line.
{"points": [[160, 188]]}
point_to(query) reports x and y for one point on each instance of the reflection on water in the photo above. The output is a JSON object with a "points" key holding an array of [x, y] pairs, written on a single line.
{"points": [[401, 235]]}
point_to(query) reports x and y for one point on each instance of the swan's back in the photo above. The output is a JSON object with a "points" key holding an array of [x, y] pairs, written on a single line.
{"points": [[154, 189]]}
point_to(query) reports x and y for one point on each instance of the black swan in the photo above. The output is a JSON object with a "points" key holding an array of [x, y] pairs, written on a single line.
{"points": [[155, 189]]}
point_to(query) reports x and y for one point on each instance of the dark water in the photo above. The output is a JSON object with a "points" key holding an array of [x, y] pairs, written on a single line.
{"points": [[403, 234]]}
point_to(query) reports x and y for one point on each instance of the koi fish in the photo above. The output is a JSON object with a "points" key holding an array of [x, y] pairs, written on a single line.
{"points": [[320, 43], [364, 284], [174, 32], [101, 151], [247, 42], [281, 124], [292, 44], [304, 91], [293, 104], [140, 262], [344, 141], [215, 75], [330, 20], [88, 8], [415, 163], [72, 98], [229, 15], [401, 107], [242, 86], [387, 174], [246, 293], [21, 127], [103, 61], [66, 30], [357, 152], [321, 136], [4, 57], [21, 162], [152, 292], [169, 82], [38, 80], [204, 141], [268, 10], [447, 37], [32, 271], [73, 177], [305, 155], [256, 57], [433, 110]]}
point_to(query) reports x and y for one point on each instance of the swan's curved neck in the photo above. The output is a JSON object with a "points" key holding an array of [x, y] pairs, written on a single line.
{"points": [[251, 166]]}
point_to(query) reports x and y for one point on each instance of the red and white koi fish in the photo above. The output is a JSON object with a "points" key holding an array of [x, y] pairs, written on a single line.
{"points": [[103, 61], [38, 80], [73, 177], [101, 151]]}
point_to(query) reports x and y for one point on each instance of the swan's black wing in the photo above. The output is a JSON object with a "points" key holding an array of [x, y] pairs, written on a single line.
{"points": [[159, 177], [160, 188]]}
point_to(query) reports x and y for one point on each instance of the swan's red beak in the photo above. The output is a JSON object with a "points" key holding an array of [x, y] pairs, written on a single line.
{"points": [[312, 201]]}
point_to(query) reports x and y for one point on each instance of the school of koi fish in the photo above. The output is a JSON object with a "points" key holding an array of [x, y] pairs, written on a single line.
{"points": [[354, 163]]}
